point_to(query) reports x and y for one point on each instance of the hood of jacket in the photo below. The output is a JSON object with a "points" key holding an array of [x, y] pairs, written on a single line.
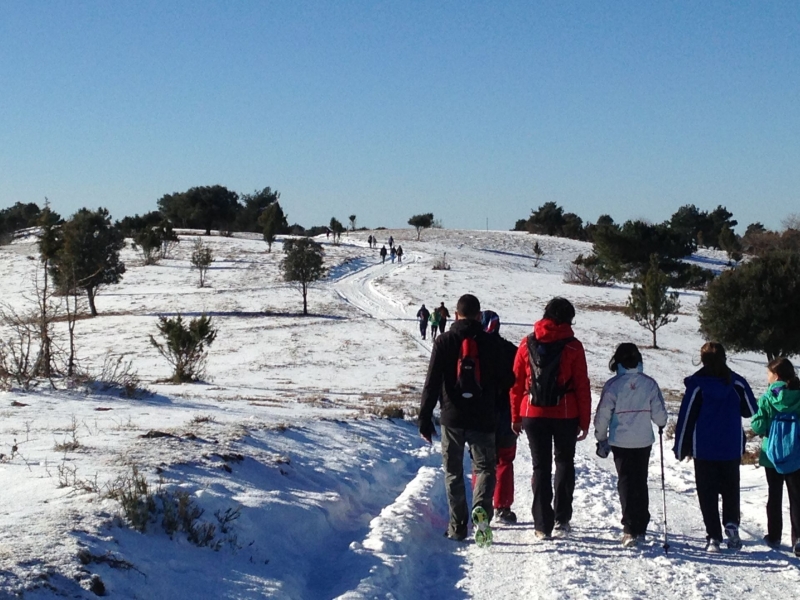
{"points": [[547, 331], [784, 399], [466, 327]]}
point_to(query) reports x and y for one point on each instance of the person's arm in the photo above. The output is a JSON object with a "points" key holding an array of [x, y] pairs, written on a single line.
{"points": [[658, 408], [519, 390], [431, 392], [763, 418], [748, 405], [605, 410], [687, 420], [583, 391]]}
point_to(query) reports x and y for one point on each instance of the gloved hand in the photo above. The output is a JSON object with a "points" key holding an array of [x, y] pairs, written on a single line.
{"points": [[427, 430], [603, 449]]}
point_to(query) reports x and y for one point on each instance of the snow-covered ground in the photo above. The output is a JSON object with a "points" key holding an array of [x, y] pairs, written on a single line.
{"points": [[311, 491]]}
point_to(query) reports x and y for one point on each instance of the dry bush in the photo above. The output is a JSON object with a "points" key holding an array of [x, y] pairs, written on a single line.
{"points": [[581, 274]]}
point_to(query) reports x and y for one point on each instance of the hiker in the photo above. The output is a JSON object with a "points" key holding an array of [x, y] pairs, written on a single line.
{"points": [[434, 320], [423, 314], [467, 414], [399, 253], [709, 430], [622, 424], [393, 253], [383, 254], [554, 409], [781, 398], [444, 314], [369, 241], [505, 438], [391, 242]]}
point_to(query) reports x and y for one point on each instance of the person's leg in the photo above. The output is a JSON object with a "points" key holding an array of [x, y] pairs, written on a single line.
{"points": [[453, 441], [622, 463], [540, 440], [706, 477], [564, 439], [774, 502], [441, 326], [638, 497], [793, 487], [729, 490], [504, 487], [482, 450]]}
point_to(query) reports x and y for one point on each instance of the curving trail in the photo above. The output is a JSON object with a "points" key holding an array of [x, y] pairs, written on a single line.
{"points": [[414, 561]]}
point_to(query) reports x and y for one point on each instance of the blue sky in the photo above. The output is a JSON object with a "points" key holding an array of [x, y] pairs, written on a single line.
{"points": [[469, 110]]}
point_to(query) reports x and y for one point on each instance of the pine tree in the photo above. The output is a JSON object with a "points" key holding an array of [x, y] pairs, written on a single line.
{"points": [[651, 305], [303, 265]]}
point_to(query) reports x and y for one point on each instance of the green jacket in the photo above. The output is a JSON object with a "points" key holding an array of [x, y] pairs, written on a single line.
{"points": [[776, 399]]}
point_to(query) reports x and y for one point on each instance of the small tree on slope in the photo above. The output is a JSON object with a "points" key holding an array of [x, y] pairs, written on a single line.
{"points": [[651, 305], [185, 346], [303, 264], [420, 222], [756, 307]]}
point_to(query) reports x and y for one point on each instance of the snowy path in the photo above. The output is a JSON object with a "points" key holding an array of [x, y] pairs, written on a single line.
{"points": [[591, 563]]}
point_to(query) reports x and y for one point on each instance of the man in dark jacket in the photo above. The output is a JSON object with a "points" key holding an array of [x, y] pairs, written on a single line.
{"points": [[465, 420], [444, 314], [423, 314]]}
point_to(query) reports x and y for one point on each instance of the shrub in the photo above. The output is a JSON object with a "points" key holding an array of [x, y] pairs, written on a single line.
{"points": [[586, 271], [202, 257], [651, 305], [185, 347]]}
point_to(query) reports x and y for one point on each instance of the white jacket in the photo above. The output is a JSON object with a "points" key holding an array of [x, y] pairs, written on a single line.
{"points": [[630, 400]]}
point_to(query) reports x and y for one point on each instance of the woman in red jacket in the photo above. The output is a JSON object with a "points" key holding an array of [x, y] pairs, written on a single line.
{"points": [[551, 400]]}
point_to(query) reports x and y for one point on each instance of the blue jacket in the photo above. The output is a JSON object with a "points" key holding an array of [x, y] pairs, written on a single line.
{"points": [[710, 419]]}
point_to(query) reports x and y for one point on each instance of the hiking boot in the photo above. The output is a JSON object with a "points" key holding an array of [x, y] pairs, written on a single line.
{"points": [[713, 545], [732, 533], [456, 537], [483, 532], [774, 544], [629, 540], [541, 535], [506, 515], [561, 530]]}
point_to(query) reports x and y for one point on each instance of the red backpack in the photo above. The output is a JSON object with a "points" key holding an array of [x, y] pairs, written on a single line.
{"points": [[468, 374]]}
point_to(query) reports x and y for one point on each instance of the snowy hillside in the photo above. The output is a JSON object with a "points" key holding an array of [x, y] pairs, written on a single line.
{"points": [[306, 489]]}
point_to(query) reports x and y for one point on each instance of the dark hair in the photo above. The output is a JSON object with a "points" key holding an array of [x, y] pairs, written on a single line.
{"points": [[712, 355], [784, 369], [468, 306], [559, 310], [627, 355]]}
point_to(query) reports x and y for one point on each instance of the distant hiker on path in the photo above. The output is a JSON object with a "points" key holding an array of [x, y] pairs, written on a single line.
{"points": [[369, 241], [709, 430], [393, 253], [467, 414], [383, 254], [781, 401], [505, 438], [554, 408], [434, 319], [423, 314], [391, 242], [444, 314], [399, 253], [629, 402]]}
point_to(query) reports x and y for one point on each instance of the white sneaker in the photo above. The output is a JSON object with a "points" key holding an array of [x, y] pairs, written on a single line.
{"points": [[713, 545], [561, 530], [629, 541], [732, 533], [541, 535]]}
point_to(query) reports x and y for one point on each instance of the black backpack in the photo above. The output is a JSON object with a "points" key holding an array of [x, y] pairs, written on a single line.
{"points": [[545, 361], [468, 373]]}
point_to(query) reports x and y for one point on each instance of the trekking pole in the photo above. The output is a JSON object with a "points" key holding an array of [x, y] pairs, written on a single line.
{"points": [[665, 545]]}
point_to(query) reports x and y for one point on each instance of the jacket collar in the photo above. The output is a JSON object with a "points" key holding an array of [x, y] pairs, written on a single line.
{"points": [[548, 330]]}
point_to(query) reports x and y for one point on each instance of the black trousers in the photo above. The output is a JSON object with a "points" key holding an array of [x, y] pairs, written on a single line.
{"points": [[423, 328], [552, 440], [715, 478], [632, 464], [775, 483]]}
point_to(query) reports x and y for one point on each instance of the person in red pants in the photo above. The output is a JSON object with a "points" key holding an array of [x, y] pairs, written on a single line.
{"points": [[505, 438]]}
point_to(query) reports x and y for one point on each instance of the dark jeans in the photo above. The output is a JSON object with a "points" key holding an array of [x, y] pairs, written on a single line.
{"points": [[715, 478], [423, 328], [481, 448], [549, 440], [774, 500], [632, 466], [442, 324]]}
